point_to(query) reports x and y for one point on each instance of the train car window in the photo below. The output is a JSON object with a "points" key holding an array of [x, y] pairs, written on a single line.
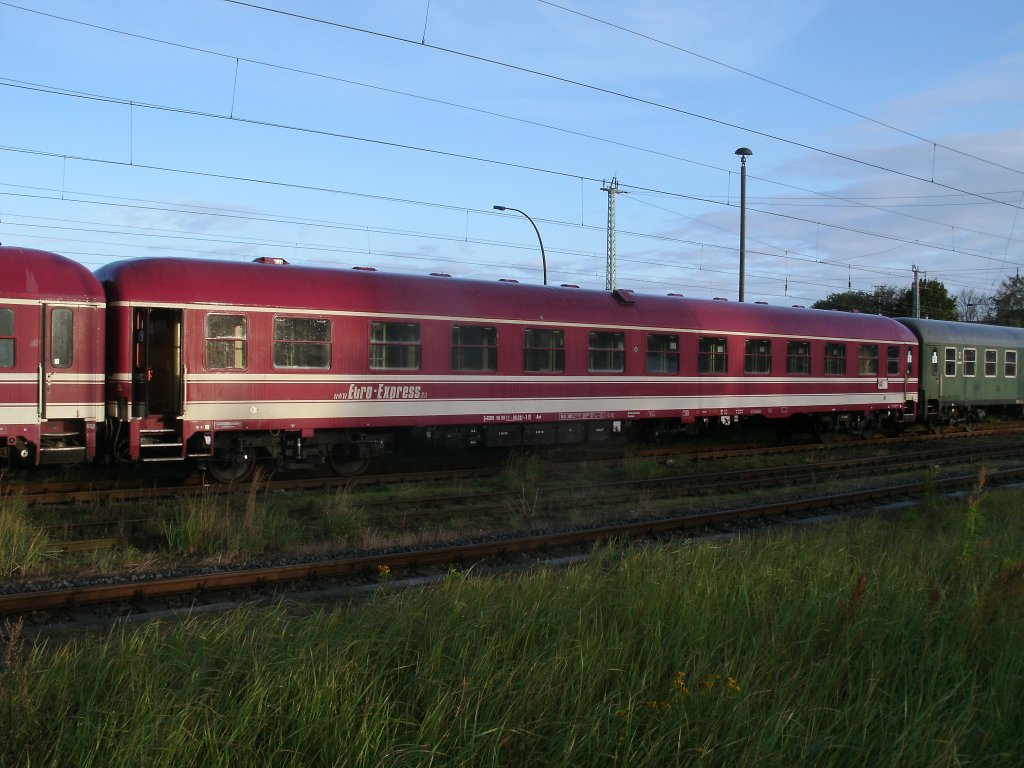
{"points": [[835, 359], [712, 355], [62, 338], [607, 351], [543, 350], [892, 366], [991, 362], [970, 362], [867, 360], [474, 348], [1010, 363], [6, 338], [395, 345], [757, 357], [226, 343], [662, 353], [951, 361], [302, 342], [798, 357]]}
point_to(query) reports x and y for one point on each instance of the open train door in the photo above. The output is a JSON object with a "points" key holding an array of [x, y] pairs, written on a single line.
{"points": [[156, 363]]}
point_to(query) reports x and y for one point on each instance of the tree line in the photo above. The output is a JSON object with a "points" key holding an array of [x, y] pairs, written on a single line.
{"points": [[1004, 307]]}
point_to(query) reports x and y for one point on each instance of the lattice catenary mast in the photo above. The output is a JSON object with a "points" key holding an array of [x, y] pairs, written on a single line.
{"points": [[612, 189]]}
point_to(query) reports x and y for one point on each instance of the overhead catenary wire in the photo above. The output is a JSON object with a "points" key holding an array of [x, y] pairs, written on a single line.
{"points": [[533, 168]]}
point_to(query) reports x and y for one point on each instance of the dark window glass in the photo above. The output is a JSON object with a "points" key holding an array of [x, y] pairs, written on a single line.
{"points": [[991, 362], [226, 344], [543, 350], [892, 366], [395, 345], [6, 338], [867, 360], [302, 342], [474, 348], [662, 353], [970, 362], [835, 359], [712, 355], [62, 338], [798, 357], [607, 351], [951, 361], [757, 356], [1010, 364]]}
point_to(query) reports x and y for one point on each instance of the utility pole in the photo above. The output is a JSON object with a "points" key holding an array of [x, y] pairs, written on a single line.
{"points": [[612, 189], [916, 311], [743, 153]]}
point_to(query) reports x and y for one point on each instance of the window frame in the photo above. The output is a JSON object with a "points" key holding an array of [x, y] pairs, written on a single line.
{"points": [[833, 360], [555, 352], [757, 362], [612, 357], [385, 348], [712, 362], [56, 328], [950, 361], [991, 363], [302, 346], [970, 365], [663, 355], [893, 358], [867, 364], [1007, 364], [798, 361], [240, 342], [7, 339], [459, 349]]}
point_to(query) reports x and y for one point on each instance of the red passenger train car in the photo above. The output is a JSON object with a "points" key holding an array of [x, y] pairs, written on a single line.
{"points": [[51, 358], [232, 363]]}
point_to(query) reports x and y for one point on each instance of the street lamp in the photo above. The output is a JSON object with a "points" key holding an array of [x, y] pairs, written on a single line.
{"points": [[744, 153], [543, 258]]}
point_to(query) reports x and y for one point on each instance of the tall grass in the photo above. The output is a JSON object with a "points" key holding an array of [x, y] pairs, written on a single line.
{"points": [[214, 524], [869, 643], [22, 544]]}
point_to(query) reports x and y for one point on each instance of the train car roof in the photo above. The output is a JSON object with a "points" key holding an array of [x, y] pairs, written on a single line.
{"points": [[26, 273], [174, 281], [963, 334]]}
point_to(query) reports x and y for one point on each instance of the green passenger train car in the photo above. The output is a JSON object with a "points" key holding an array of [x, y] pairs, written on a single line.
{"points": [[967, 369]]}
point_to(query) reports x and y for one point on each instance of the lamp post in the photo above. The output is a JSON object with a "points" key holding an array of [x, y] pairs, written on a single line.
{"points": [[543, 258], [744, 153]]}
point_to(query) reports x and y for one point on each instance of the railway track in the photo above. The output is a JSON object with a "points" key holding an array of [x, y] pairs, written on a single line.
{"points": [[52, 606], [83, 492], [549, 499]]}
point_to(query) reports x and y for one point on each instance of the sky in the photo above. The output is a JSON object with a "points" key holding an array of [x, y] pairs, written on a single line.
{"points": [[885, 137]]}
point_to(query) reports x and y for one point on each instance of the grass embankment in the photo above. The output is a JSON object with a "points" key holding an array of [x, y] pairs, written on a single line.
{"points": [[884, 642]]}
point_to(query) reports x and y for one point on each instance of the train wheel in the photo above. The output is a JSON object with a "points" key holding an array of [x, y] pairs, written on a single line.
{"points": [[231, 466], [345, 466], [867, 430]]}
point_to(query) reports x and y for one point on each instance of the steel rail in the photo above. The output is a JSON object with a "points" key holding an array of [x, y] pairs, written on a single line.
{"points": [[25, 602]]}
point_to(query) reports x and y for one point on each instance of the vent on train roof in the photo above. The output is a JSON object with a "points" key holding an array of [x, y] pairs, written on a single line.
{"points": [[269, 260], [720, 298], [676, 294], [439, 274], [760, 302], [569, 285], [365, 269], [799, 306], [624, 295], [507, 280]]}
